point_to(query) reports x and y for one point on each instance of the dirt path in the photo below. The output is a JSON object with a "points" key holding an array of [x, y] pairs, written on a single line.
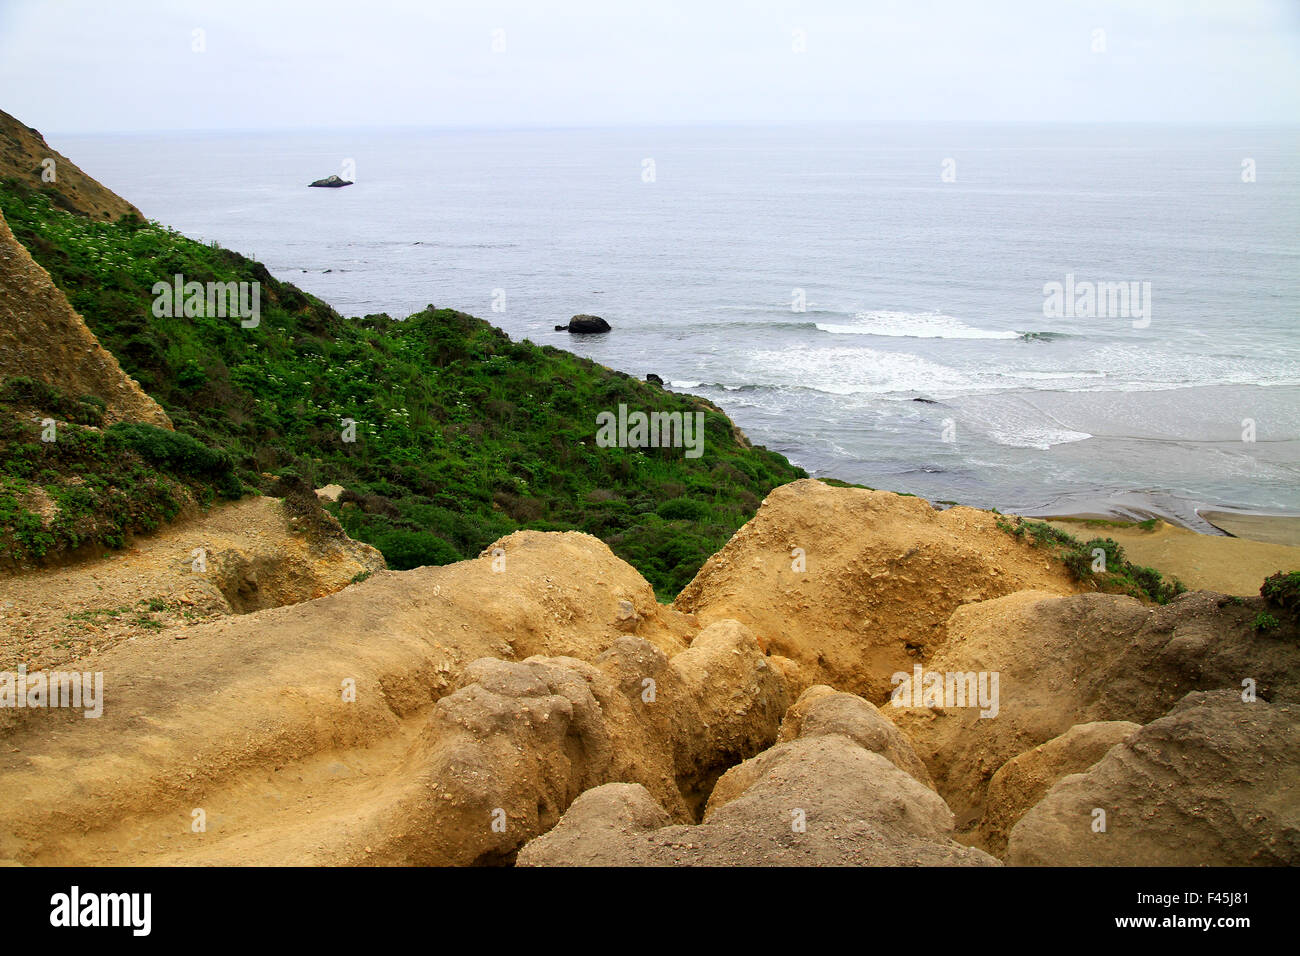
{"points": [[303, 811], [252, 559]]}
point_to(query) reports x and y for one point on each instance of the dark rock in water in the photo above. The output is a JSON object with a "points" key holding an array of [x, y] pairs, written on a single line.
{"points": [[561, 328], [331, 182], [652, 377], [586, 324], [928, 401]]}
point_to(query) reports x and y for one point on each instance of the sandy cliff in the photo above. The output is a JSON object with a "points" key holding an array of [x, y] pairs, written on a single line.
{"points": [[26, 157], [42, 337], [451, 715]]}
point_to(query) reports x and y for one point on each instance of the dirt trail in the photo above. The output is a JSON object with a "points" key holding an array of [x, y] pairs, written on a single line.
{"points": [[299, 813], [255, 558]]}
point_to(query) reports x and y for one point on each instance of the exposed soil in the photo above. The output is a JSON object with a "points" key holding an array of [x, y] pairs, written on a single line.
{"points": [[489, 698], [42, 337], [856, 585], [23, 152], [254, 558]]}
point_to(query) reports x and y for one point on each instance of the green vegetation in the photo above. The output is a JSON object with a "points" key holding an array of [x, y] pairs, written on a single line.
{"points": [[1148, 525], [1282, 590], [1264, 622], [96, 614], [1119, 575], [461, 435], [91, 485]]}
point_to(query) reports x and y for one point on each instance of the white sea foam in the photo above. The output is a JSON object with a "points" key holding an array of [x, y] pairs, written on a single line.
{"points": [[918, 325], [1035, 375], [852, 371], [1041, 438]]}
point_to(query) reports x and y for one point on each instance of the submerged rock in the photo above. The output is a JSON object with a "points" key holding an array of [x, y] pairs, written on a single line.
{"points": [[331, 182]]}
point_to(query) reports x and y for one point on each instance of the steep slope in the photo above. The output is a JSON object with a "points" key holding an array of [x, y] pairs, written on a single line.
{"points": [[445, 433], [42, 337], [27, 158]]}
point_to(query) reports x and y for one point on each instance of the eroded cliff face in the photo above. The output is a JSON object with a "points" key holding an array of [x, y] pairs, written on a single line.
{"points": [[856, 585], [26, 157], [42, 337], [537, 702]]}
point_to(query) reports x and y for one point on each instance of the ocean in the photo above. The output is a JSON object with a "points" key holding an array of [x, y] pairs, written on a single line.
{"points": [[868, 301]]}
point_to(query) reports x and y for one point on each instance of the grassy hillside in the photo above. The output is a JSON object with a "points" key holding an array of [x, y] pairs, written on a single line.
{"points": [[461, 434], [91, 485]]}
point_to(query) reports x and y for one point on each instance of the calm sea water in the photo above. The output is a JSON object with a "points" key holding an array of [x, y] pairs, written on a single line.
{"points": [[912, 287]]}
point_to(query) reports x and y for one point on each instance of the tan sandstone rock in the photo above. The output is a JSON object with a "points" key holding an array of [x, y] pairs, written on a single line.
{"points": [[1211, 784], [822, 710], [820, 799], [1072, 660], [42, 337], [1025, 779], [855, 585]]}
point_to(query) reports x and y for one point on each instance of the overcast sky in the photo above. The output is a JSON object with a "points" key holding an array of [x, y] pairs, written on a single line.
{"points": [[70, 66]]}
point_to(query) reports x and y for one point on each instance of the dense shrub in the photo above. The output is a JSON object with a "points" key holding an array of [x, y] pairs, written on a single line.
{"points": [[174, 450], [89, 486], [1116, 574], [1282, 590], [404, 550], [461, 435]]}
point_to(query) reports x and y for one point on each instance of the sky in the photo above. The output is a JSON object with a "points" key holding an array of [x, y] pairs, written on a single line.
{"points": [[82, 66]]}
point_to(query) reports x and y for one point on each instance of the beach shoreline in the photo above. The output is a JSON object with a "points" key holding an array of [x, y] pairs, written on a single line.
{"points": [[1214, 519], [1226, 562]]}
